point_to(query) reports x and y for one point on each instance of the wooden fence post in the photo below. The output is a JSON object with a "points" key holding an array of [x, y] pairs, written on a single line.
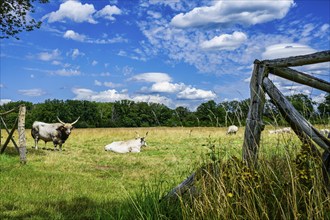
{"points": [[254, 124], [21, 134]]}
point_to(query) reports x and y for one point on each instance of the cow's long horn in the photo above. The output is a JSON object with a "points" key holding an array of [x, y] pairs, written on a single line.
{"points": [[60, 120], [75, 121]]}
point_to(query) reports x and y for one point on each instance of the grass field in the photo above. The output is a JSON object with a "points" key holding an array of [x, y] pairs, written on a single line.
{"points": [[85, 182]]}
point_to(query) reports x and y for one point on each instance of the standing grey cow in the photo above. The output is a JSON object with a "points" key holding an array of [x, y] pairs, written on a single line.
{"points": [[58, 133]]}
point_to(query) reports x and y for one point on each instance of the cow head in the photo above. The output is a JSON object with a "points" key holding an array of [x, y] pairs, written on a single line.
{"points": [[143, 141], [67, 127]]}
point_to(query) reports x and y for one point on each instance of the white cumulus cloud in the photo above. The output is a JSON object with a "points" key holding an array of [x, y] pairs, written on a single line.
{"points": [[196, 94], [70, 34], [152, 77], [248, 12], [110, 95], [286, 50], [167, 87], [73, 10], [225, 41], [108, 12]]}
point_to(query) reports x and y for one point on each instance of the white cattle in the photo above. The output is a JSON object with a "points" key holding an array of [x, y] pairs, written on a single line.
{"points": [[279, 131], [58, 133], [232, 129], [122, 147]]}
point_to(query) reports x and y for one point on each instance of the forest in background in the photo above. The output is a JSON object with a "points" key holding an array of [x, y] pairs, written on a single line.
{"points": [[127, 113]]}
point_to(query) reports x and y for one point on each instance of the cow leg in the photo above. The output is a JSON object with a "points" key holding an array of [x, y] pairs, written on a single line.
{"points": [[36, 143], [60, 147]]}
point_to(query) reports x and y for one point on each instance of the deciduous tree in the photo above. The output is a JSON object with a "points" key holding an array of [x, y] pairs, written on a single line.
{"points": [[16, 17]]}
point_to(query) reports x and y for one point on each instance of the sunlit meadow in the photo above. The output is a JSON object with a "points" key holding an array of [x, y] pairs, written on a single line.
{"points": [[86, 182]]}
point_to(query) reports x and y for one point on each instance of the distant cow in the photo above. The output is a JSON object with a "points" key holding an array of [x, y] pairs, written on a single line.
{"points": [[58, 133], [232, 129], [279, 131], [133, 145]]}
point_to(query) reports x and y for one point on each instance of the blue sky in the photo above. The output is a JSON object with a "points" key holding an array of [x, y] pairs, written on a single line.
{"points": [[175, 52]]}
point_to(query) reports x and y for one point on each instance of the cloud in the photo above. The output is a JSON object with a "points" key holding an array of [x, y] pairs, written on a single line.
{"points": [[112, 85], [4, 101], [97, 83], [286, 50], [323, 31], [31, 92], [94, 63], [110, 95], [321, 69], [66, 72], [73, 10], [113, 95], [46, 56], [78, 12], [152, 77], [75, 53], [108, 11], [196, 94], [70, 34], [167, 87], [225, 41], [233, 12], [107, 84], [154, 99]]}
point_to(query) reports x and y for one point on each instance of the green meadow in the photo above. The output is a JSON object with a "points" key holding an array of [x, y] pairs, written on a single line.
{"points": [[86, 182]]}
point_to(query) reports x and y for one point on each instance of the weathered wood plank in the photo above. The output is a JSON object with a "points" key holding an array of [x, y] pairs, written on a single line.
{"points": [[181, 189], [298, 123], [319, 57], [301, 78], [8, 132], [21, 134], [10, 136], [254, 124]]}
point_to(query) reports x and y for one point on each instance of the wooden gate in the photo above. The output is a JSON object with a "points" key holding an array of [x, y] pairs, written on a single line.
{"points": [[261, 84]]}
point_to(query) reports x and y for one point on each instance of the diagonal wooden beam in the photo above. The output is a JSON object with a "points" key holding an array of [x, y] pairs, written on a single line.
{"points": [[298, 123], [10, 136], [301, 78]]}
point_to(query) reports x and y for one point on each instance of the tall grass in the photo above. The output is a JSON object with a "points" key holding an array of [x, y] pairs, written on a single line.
{"points": [[85, 182], [286, 185]]}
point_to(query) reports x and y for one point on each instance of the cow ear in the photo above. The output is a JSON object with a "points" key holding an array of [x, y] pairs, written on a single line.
{"points": [[60, 128]]}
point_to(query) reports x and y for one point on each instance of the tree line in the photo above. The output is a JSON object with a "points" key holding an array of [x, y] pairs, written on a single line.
{"points": [[127, 113]]}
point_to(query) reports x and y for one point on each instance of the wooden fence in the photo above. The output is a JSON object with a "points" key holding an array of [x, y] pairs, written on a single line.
{"points": [[20, 123], [261, 84]]}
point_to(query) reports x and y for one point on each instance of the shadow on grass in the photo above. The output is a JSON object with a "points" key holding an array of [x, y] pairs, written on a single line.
{"points": [[86, 208]]}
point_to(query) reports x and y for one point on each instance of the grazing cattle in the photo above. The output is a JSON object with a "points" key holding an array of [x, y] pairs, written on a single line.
{"points": [[133, 145], [282, 130], [58, 133], [232, 129]]}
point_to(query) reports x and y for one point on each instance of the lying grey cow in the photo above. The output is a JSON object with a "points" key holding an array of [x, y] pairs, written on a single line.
{"points": [[133, 145], [58, 133]]}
